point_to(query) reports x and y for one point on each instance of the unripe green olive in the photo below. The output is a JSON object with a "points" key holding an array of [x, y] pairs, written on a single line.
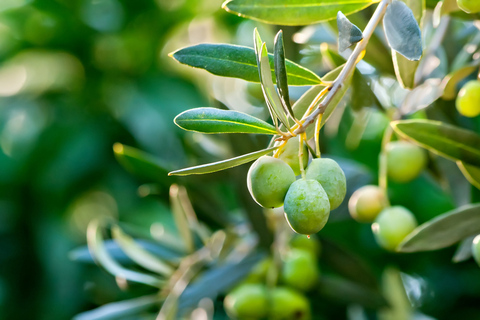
{"points": [[268, 181], [300, 270], [247, 301], [405, 161], [469, 6], [310, 244], [289, 304], [468, 99], [306, 206], [392, 225], [476, 249], [366, 203], [331, 177], [289, 154], [259, 272]]}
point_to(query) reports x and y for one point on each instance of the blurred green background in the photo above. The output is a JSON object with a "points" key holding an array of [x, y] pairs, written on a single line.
{"points": [[77, 76]]}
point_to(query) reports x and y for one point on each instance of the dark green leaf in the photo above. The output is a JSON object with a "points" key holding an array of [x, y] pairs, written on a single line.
{"points": [[238, 62], [402, 31], [281, 72], [222, 165], [472, 173], [446, 140], [140, 163], [212, 120], [348, 33], [294, 12], [444, 230]]}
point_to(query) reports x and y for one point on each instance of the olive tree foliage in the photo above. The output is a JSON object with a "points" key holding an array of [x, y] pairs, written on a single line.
{"points": [[399, 63]]}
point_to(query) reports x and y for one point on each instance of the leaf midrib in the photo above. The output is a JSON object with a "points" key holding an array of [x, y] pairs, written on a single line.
{"points": [[305, 5], [228, 121]]}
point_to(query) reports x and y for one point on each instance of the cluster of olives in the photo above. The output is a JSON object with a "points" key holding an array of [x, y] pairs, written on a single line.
{"points": [[369, 204], [307, 201], [299, 272], [468, 99]]}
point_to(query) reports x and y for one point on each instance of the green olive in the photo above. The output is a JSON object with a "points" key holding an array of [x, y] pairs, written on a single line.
{"points": [[268, 181], [469, 6], [476, 249], [289, 304], [310, 244], [289, 154], [300, 270], [405, 161], [307, 207], [468, 99], [331, 177], [247, 301], [366, 203], [392, 225]]}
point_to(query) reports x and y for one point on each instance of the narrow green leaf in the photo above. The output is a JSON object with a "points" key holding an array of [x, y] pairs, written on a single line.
{"points": [[394, 291], [446, 140], [471, 173], [271, 96], [222, 165], [348, 33], [422, 96], [294, 12], [213, 120], [452, 79], [180, 218], [139, 255], [99, 252], [444, 230], [238, 62], [464, 250], [140, 163], [121, 309], [281, 73], [402, 31]]}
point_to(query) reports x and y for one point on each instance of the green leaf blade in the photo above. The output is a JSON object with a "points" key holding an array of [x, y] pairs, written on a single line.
{"points": [[212, 120], [471, 173], [446, 140], [222, 165], [238, 62], [444, 230], [348, 33], [281, 72], [294, 12]]}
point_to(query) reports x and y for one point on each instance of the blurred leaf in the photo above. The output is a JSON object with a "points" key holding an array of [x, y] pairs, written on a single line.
{"points": [[402, 31], [339, 289], [452, 79], [281, 72], [448, 141], [464, 250], [238, 62], [222, 165], [97, 248], [140, 163], [471, 173], [271, 97], [444, 230], [212, 120], [120, 310], [394, 291], [422, 96], [294, 12], [180, 217], [348, 33], [82, 254], [139, 255]]}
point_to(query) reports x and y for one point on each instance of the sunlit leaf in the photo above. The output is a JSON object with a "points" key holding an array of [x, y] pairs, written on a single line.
{"points": [[446, 140], [97, 248], [213, 120], [402, 30], [452, 79], [222, 165], [444, 230], [348, 33], [281, 72], [422, 96], [294, 12], [238, 62], [139, 255], [471, 173]]}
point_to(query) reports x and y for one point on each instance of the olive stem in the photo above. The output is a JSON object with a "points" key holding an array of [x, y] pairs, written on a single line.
{"points": [[318, 126]]}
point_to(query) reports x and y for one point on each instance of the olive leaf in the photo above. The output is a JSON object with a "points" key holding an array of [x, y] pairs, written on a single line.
{"points": [[471, 173], [348, 33], [281, 73]]}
